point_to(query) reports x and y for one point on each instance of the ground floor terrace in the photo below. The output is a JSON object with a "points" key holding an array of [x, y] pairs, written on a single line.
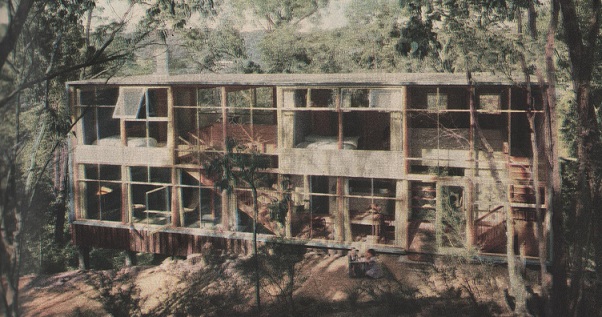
{"points": [[175, 211]]}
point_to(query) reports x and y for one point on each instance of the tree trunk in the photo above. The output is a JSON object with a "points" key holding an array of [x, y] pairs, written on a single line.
{"points": [[540, 233], [11, 36], [517, 287], [59, 222], [558, 292], [582, 46], [587, 185]]}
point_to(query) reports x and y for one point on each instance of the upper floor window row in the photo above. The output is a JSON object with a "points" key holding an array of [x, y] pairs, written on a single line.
{"points": [[127, 102], [133, 103], [384, 98], [141, 103], [238, 97]]}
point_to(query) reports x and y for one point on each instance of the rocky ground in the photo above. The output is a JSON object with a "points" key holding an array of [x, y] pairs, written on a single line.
{"points": [[223, 286]]}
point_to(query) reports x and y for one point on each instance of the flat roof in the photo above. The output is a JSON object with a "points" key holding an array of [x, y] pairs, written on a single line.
{"points": [[347, 79]]}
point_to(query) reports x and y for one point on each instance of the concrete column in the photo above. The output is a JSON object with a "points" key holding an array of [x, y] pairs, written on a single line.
{"points": [[439, 217], [84, 257], [402, 209], [471, 237], [130, 258]]}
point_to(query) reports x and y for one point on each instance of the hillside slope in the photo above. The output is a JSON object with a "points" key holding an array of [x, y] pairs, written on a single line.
{"points": [[222, 285]]}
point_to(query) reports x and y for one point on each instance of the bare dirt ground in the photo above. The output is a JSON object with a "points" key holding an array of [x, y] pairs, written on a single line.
{"points": [[321, 287]]}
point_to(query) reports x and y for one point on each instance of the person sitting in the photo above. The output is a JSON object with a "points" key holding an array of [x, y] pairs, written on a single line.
{"points": [[372, 268]]}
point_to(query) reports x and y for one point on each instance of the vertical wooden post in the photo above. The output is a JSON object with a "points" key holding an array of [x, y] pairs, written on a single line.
{"points": [[404, 130], [176, 215], [438, 216], [471, 235], [280, 104], [337, 101], [347, 215], [126, 204], [225, 195], [81, 194], [171, 122], [471, 209], [396, 135], [306, 192], [340, 218], [76, 112], [78, 188], [402, 208], [289, 212], [123, 131], [402, 205], [253, 106]]}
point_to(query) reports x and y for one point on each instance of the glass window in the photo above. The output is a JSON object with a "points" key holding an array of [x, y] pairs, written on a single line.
{"points": [[355, 98], [385, 98], [209, 98], [157, 102], [322, 98], [150, 174], [490, 102], [436, 101], [129, 102]]}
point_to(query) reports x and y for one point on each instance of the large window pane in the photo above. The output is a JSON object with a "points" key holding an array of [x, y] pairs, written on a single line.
{"points": [[129, 102]]}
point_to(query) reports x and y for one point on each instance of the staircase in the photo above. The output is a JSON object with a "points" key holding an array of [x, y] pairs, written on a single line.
{"points": [[491, 230], [244, 201], [522, 190], [491, 227]]}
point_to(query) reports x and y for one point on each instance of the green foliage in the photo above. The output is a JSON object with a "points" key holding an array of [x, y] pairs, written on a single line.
{"points": [[283, 52], [278, 269], [452, 217], [376, 38], [466, 36], [276, 14], [165, 15], [54, 256], [239, 165], [107, 259], [117, 293], [463, 276], [570, 125], [208, 47]]}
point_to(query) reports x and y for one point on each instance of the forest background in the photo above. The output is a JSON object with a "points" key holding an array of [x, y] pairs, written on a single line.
{"points": [[555, 43]]}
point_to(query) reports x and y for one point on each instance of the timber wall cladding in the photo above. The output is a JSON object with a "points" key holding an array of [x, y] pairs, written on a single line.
{"points": [[141, 240]]}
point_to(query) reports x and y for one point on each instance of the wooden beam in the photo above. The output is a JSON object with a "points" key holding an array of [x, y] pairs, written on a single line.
{"points": [[340, 213], [176, 215], [402, 206], [469, 197], [81, 212], [225, 201], [125, 202], [404, 130], [438, 216], [347, 216]]}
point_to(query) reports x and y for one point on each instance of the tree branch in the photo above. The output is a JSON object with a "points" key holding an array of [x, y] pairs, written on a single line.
{"points": [[15, 27], [52, 75]]}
